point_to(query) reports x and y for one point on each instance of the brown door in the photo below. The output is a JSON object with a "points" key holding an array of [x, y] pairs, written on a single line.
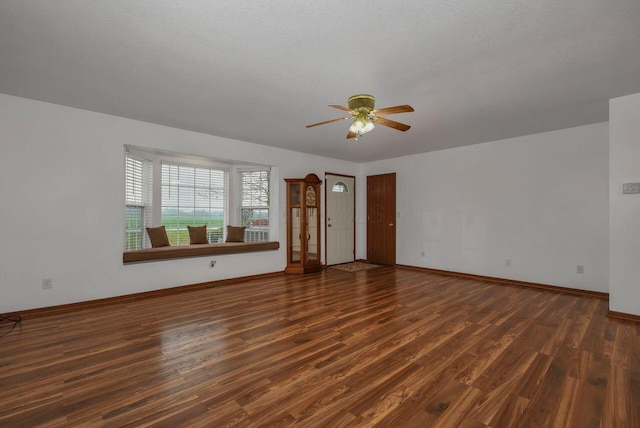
{"points": [[381, 219]]}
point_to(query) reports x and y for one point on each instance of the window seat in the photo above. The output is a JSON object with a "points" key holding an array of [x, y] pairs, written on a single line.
{"points": [[184, 251]]}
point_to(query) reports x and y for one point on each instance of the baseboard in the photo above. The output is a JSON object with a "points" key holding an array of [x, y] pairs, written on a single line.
{"points": [[623, 316], [70, 307], [566, 290], [128, 298]]}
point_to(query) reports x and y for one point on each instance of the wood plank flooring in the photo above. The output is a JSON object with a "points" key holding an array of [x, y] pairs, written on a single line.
{"points": [[387, 347]]}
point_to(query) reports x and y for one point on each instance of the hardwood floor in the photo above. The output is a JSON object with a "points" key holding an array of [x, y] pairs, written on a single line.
{"points": [[385, 347]]}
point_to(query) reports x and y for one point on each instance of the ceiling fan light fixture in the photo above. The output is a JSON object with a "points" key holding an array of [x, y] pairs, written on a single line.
{"points": [[361, 126]]}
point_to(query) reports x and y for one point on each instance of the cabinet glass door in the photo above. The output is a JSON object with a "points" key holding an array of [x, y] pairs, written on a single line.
{"points": [[312, 234], [295, 223], [296, 234], [294, 195]]}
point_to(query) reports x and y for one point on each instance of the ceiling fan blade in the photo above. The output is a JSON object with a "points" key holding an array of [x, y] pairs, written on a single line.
{"points": [[393, 110], [328, 121], [341, 108], [391, 123], [351, 134]]}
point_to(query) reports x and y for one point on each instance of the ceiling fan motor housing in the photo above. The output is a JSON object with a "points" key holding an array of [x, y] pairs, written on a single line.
{"points": [[361, 102]]}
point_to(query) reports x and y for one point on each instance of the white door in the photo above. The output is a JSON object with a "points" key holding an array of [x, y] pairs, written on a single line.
{"points": [[340, 218]]}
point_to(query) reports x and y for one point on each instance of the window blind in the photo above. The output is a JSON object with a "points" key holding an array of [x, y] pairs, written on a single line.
{"points": [[194, 196], [138, 201]]}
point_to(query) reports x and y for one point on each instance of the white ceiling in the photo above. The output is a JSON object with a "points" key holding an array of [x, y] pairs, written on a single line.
{"points": [[259, 71]]}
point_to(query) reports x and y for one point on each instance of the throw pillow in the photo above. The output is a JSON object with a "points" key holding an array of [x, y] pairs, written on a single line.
{"points": [[198, 235], [235, 234], [158, 236]]}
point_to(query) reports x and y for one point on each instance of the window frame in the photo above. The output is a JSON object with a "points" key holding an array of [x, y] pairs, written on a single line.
{"points": [[220, 233], [258, 233]]}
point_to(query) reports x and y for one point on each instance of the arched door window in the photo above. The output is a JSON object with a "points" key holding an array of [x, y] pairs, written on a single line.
{"points": [[340, 187]]}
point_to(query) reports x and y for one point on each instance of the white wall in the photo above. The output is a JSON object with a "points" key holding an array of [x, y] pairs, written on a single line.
{"points": [[62, 196], [540, 200], [624, 210]]}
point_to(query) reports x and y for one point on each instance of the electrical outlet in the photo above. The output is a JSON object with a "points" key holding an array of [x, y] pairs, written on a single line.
{"points": [[47, 283], [213, 263], [630, 188], [507, 262], [422, 254], [580, 269]]}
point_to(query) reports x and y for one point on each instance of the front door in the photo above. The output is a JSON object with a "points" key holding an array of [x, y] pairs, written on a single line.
{"points": [[381, 219], [340, 215]]}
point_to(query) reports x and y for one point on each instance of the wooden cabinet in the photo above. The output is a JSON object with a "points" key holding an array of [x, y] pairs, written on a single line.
{"points": [[303, 224]]}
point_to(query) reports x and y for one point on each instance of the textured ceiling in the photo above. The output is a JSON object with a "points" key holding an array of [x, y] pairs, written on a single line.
{"points": [[259, 71]]}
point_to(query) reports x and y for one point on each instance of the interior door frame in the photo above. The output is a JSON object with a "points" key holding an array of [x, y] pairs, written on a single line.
{"points": [[325, 212]]}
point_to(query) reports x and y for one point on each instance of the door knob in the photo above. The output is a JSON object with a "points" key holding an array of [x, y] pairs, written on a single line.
{"points": [[390, 224], [328, 225]]}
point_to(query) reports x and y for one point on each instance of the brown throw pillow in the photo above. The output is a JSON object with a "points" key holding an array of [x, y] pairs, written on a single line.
{"points": [[235, 234], [198, 235], [158, 236]]}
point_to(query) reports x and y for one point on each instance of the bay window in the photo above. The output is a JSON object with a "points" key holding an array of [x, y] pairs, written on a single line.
{"points": [[176, 191]]}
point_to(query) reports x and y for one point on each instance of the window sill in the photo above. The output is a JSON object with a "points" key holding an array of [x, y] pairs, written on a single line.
{"points": [[185, 251]]}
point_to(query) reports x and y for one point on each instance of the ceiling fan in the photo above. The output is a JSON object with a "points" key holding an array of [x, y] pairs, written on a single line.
{"points": [[364, 117]]}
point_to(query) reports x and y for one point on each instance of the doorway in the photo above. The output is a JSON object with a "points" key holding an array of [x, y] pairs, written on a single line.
{"points": [[381, 219], [340, 218]]}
